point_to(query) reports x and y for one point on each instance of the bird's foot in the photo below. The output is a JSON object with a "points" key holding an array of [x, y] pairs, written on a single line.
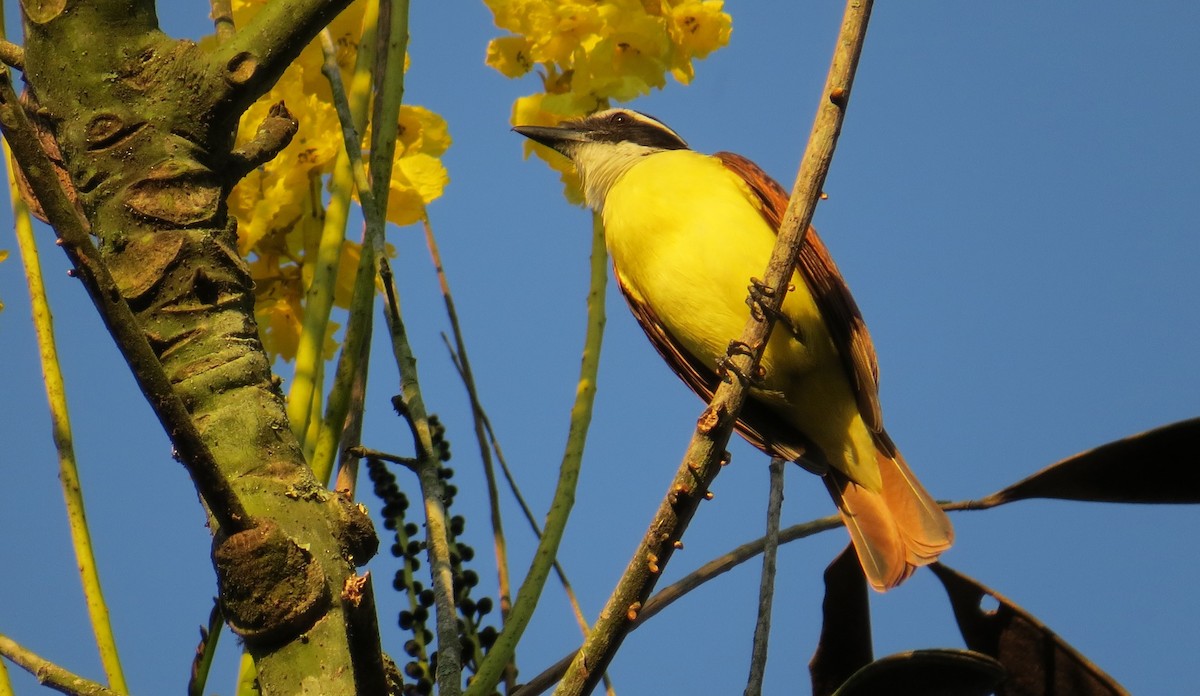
{"points": [[760, 293], [726, 367]]}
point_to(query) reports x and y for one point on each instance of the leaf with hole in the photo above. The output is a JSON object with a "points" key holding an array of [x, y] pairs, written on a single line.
{"points": [[1038, 661]]}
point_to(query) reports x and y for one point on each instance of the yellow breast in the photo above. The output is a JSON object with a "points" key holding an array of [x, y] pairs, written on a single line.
{"points": [[686, 239]]}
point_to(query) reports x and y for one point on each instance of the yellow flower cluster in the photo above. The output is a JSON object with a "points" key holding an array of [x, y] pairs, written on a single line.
{"points": [[280, 206], [591, 51]]}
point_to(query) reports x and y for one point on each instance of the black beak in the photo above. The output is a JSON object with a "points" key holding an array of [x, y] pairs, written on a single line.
{"points": [[557, 138]]}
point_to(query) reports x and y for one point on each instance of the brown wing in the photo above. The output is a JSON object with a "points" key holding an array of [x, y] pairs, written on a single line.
{"points": [[842, 317], [760, 426]]}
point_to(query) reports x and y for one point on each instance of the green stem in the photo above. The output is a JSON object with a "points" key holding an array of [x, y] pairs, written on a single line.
{"points": [[564, 495], [449, 665], [511, 480], [202, 665], [5, 683], [68, 471], [48, 673], [318, 302], [478, 417]]}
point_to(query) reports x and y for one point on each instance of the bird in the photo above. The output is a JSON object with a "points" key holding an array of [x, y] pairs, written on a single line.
{"points": [[686, 232]]}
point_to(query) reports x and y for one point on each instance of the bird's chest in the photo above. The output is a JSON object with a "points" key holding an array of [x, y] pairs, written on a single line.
{"points": [[687, 247]]}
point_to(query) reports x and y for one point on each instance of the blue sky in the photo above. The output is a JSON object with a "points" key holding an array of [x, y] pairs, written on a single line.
{"points": [[1013, 203]]}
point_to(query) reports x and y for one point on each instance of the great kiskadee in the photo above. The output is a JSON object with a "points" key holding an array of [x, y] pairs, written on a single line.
{"points": [[687, 232]]}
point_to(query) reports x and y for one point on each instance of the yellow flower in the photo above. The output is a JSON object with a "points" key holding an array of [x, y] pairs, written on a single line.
{"points": [[547, 110], [511, 55], [417, 179], [421, 130], [697, 29], [589, 53], [280, 206]]}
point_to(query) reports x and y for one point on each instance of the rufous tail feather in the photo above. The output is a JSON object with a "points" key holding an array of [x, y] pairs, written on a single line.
{"points": [[893, 531]]}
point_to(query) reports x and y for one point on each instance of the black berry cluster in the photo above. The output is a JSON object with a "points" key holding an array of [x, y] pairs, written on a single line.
{"points": [[475, 639]]}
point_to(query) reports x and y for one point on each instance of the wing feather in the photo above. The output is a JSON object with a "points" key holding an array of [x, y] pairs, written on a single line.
{"points": [[893, 530], [758, 424], [816, 267]]}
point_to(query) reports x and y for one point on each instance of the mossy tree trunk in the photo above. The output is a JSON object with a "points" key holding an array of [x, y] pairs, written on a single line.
{"points": [[145, 126]]}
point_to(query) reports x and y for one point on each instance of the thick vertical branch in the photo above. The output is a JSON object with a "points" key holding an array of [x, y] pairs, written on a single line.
{"points": [[145, 125]]}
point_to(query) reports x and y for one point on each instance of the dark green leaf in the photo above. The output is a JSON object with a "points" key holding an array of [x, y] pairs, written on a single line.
{"points": [[845, 645], [1038, 662], [929, 673], [1157, 466]]}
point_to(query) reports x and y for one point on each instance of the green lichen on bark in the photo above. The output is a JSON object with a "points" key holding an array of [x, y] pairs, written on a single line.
{"points": [[145, 126]]}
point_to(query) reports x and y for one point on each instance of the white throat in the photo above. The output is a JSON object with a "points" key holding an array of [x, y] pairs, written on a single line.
{"points": [[600, 165]]}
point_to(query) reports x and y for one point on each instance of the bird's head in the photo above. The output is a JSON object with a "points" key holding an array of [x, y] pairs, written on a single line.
{"points": [[605, 145]]}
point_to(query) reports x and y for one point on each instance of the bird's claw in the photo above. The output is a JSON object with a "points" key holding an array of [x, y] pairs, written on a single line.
{"points": [[760, 292], [726, 367]]}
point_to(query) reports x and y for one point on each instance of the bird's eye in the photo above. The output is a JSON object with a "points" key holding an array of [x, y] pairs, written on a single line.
{"points": [[619, 119]]}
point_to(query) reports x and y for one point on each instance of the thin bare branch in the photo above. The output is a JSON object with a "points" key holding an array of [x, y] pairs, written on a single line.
{"points": [[12, 55], [463, 365], [766, 588], [48, 673], [222, 17]]}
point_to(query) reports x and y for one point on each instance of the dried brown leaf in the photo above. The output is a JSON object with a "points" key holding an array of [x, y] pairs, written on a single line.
{"points": [[1038, 661], [927, 672], [1157, 466], [845, 644]]}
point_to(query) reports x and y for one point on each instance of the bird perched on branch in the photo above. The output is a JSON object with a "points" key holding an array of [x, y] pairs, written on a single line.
{"points": [[687, 232]]}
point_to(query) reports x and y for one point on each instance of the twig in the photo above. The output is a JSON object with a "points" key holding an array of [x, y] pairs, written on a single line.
{"points": [[222, 17], [393, 49], [60, 420], [520, 498], [12, 55], [50, 674], [702, 460], [449, 664], [766, 588], [351, 112], [463, 365], [361, 452], [669, 595], [568, 476], [303, 395], [977, 504]]}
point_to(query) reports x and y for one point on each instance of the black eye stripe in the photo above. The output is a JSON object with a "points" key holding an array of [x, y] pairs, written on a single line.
{"points": [[623, 127]]}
